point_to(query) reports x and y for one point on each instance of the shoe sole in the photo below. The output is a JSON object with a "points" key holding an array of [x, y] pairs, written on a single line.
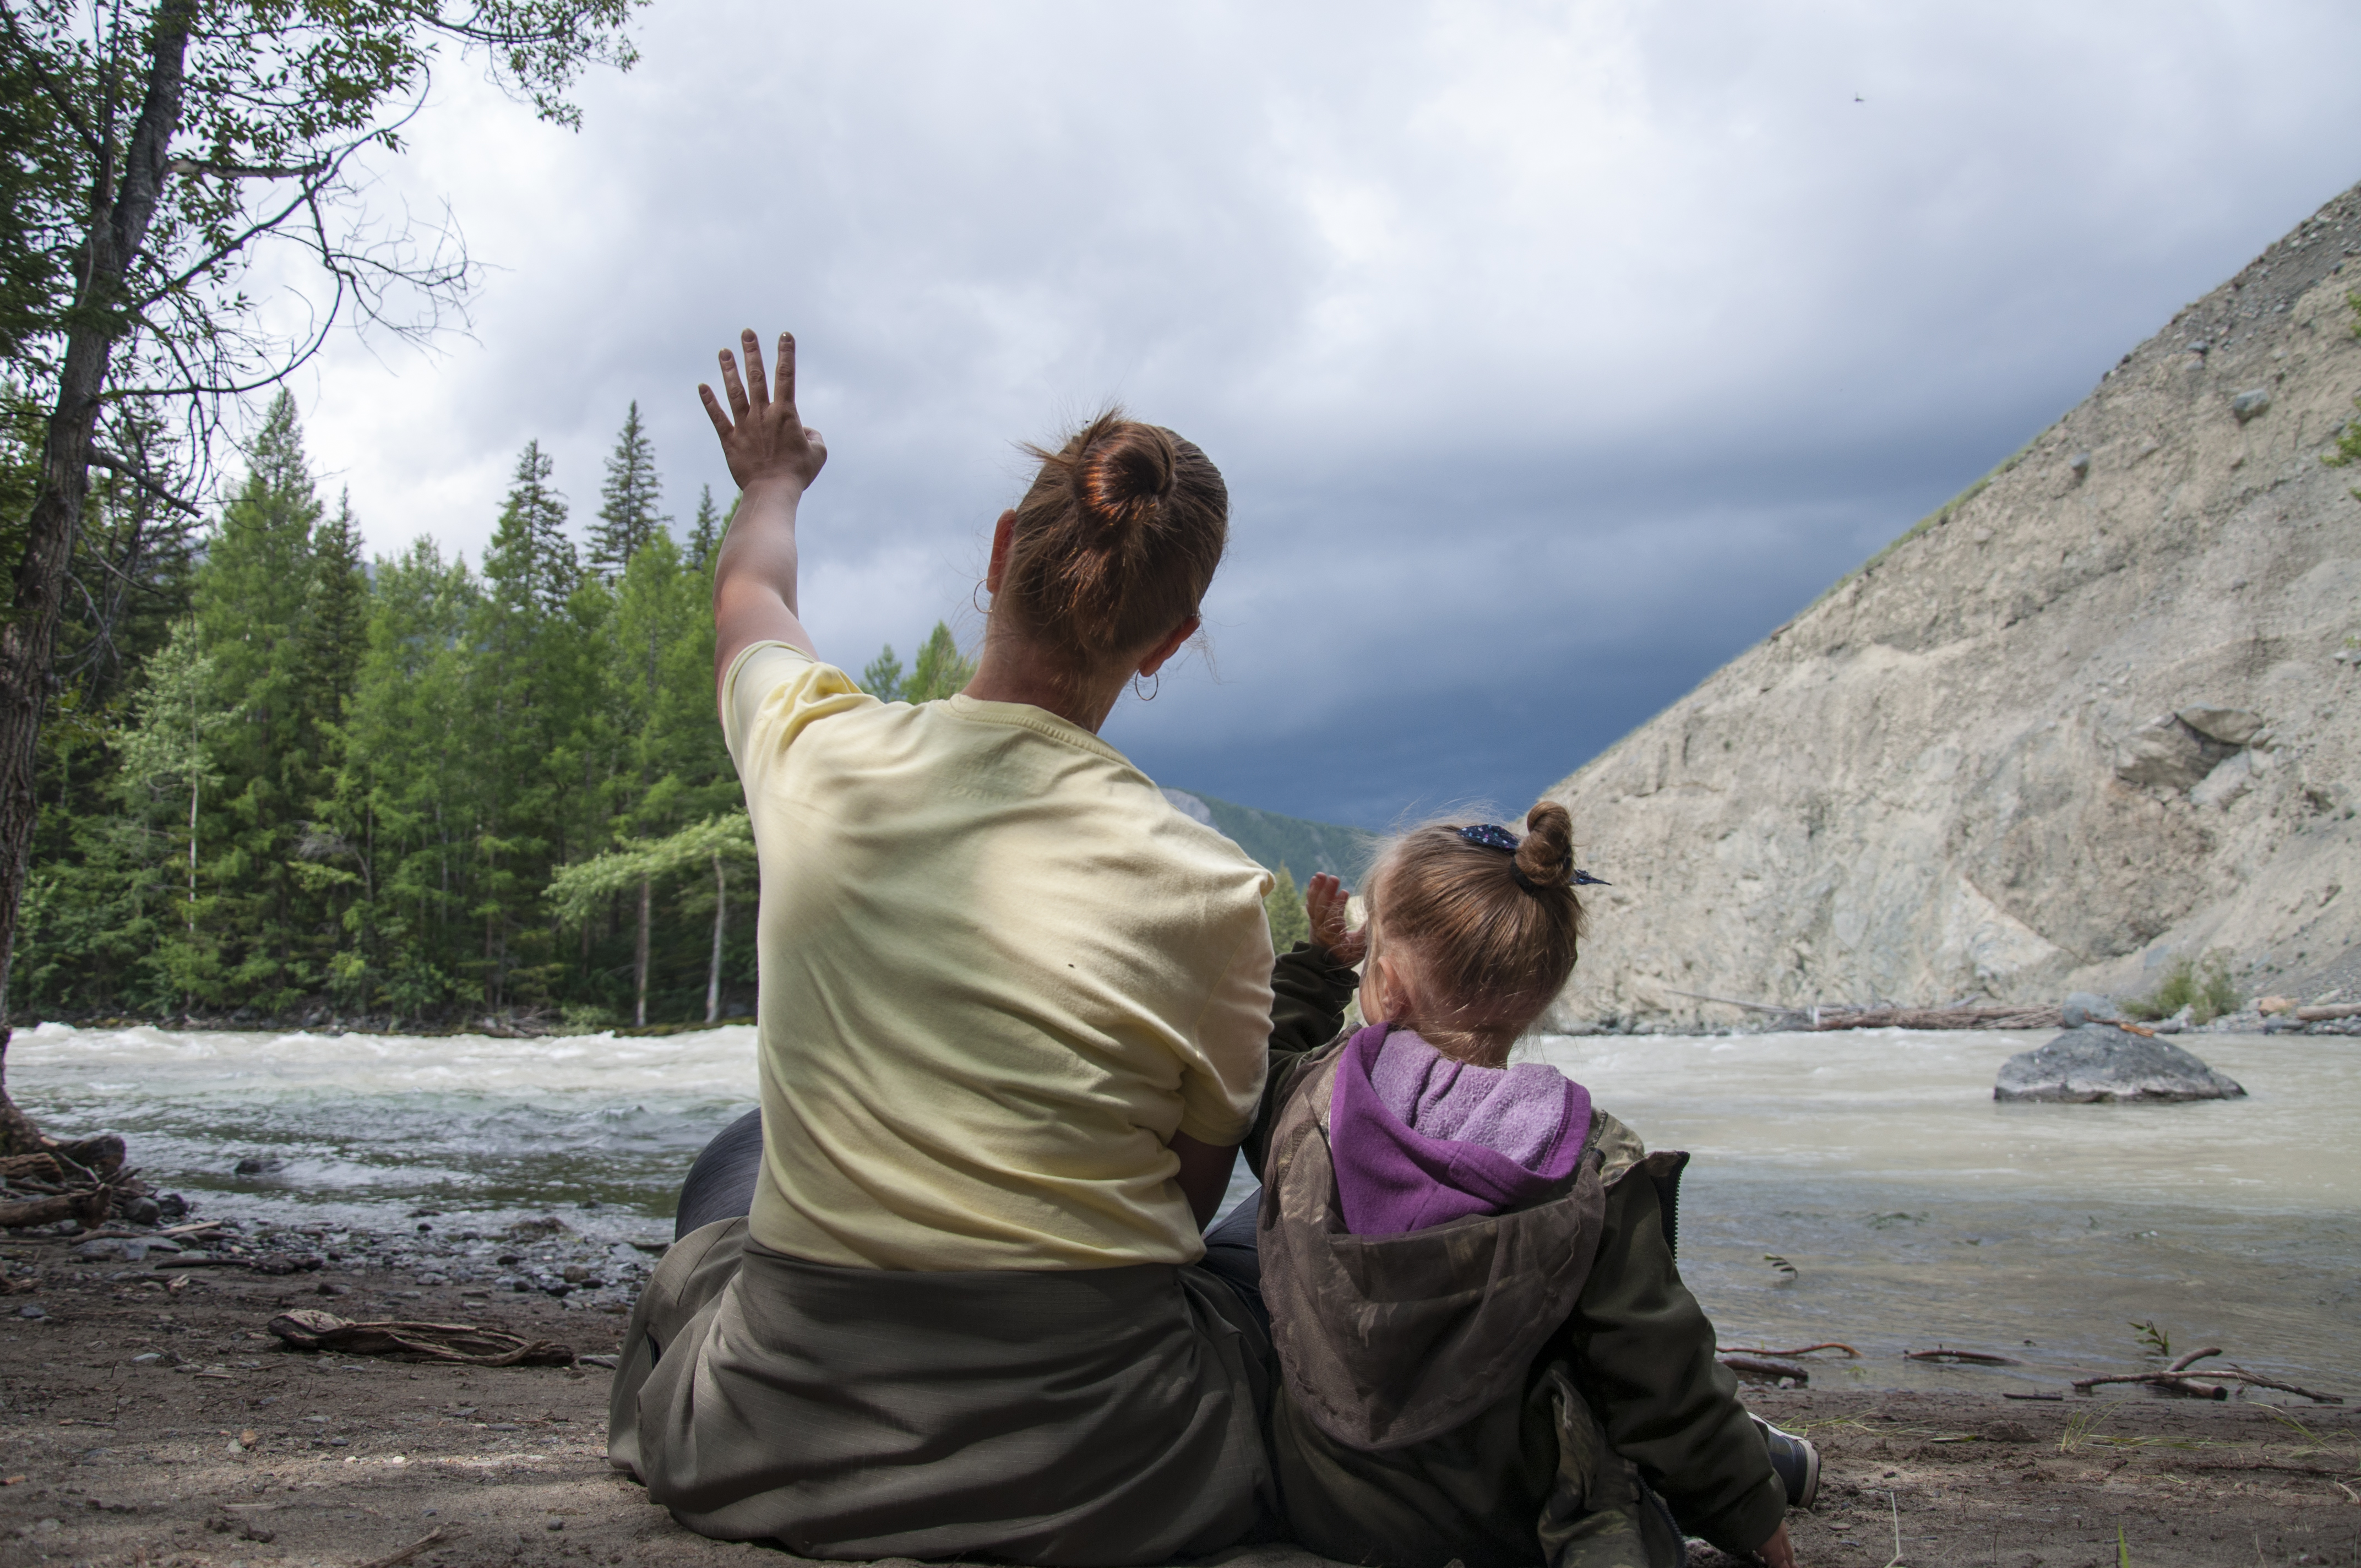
{"points": [[1802, 1495]]}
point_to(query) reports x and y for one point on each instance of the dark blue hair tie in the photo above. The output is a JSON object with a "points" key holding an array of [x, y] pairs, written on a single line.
{"points": [[1492, 836]]}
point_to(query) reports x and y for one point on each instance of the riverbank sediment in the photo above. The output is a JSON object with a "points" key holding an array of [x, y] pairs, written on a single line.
{"points": [[151, 1418]]}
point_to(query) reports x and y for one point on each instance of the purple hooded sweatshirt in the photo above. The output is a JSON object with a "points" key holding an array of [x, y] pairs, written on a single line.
{"points": [[1417, 1138]]}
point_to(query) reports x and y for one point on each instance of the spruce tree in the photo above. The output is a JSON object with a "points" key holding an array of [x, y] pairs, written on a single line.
{"points": [[1283, 907], [252, 595], [940, 670], [335, 633], [334, 639], [882, 676], [525, 735], [705, 531], [406, 793], [627, 501]]}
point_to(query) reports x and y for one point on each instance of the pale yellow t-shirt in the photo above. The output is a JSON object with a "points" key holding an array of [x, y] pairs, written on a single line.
{"points": [[998, 971]]}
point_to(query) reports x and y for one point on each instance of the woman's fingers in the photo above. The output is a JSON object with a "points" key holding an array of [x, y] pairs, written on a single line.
{"points": [[762, 437], [739, 407], [713, 410], [756, 386]]}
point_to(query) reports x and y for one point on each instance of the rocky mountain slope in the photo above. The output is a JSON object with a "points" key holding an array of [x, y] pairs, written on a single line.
{"points": [[2094, 714]]}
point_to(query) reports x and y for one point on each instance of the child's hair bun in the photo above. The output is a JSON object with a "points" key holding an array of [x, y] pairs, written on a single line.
{"points": [[1545, 856], [1124, 472]]}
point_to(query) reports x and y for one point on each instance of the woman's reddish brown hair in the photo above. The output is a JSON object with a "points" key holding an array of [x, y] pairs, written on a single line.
{"points": [[1115, 541], [1487, 951]]}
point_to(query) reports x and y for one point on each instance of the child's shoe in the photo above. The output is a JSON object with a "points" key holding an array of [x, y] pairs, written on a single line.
{"points": [[1796, 1461]]}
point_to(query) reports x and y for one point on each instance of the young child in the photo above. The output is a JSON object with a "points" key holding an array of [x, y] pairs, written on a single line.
{"points": [[1487, 1351]]}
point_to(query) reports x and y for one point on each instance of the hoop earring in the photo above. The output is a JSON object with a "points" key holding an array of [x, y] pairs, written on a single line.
{"points": [[1150, 695]]}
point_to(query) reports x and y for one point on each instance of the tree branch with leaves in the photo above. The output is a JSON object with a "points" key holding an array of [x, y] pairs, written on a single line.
{"points": [[161, 150], [578, 892]]}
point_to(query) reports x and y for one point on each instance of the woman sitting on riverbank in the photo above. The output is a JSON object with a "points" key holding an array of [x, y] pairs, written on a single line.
{"points": [[1488, 1353], [1012, 1011]]}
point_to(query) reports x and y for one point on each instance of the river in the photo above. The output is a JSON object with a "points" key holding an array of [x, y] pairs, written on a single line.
{"points": [[1909, 1209]]}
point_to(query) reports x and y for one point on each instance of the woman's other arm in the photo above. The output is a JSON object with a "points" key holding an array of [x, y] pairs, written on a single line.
{"points": [[774, 456], [1204, 1176], [1309, 989]]}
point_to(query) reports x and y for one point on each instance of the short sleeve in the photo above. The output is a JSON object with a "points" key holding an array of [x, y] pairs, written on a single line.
{"points": [[1222, 1088], [772, 690]]}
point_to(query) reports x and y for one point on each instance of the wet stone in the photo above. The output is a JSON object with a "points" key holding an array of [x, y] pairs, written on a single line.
{"points": [[2097, 1064]]}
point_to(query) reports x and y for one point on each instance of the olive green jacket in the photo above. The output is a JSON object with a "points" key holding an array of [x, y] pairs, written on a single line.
{"points": [[1494, 1390]]}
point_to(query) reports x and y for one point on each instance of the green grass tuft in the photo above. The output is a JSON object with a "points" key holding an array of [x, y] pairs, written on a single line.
{"points": [[2206, 989]]}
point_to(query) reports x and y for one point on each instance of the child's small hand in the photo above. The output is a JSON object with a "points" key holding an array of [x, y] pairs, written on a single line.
{"points": [[1324, 901]]}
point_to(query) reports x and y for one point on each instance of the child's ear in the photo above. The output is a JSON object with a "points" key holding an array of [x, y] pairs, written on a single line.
{"points": [[1386, 995]]}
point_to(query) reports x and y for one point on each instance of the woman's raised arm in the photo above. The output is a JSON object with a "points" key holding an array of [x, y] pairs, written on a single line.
{"points": [[774, 456]]}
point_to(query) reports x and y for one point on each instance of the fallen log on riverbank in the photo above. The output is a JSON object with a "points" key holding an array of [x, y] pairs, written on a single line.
{"points": [[1825, 1015], [1824, 1018], [80, 1181], [2210, 1383]]}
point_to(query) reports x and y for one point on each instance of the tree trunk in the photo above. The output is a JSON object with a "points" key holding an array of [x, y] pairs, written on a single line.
{"points": [[721, 913], [28, 635], [639, 963]]}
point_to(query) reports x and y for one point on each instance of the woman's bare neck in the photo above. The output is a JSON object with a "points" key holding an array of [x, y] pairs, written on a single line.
{"points": [[1015, 669]]}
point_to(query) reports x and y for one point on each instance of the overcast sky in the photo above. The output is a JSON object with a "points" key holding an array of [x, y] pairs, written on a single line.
{"points": [[1554, 353]]}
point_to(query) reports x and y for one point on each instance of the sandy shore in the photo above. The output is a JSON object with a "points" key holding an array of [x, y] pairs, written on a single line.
{"points": [[152, 1425]]}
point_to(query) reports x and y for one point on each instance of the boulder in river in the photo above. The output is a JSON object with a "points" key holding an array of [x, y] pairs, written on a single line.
{"points": [[2100, 1063]]}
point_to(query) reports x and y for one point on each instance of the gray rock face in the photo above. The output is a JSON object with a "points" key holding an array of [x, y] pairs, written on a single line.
{"points": [[2230, 726], [2167, 752], [1968, 767], [2100, 1064]]}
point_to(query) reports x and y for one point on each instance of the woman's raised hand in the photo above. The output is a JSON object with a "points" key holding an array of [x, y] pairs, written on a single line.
{"points": [[761, 438], [1324, 901]]}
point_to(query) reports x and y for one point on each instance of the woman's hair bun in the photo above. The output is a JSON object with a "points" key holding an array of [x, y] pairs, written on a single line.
{"points": [[1114, 543], [1546, 855], [1124, 472]]}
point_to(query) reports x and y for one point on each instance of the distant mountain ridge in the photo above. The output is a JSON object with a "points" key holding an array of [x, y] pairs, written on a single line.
{"points": [[1304, 846], [2093, 716]]}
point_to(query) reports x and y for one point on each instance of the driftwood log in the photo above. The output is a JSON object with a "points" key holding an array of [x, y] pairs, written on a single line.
{"points": [[306, 1329], [80, 1180], [2323, 1014], [1936, 1018], [2214, 1383], [89, 1205], [1833, 1015], [1757, 1370]]}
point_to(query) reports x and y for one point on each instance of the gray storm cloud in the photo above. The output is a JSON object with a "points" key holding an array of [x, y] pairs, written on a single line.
{"points": [[1552, 353]]}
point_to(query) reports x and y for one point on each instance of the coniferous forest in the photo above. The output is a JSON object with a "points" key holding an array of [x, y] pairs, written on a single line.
{"points": [[279, 781]]}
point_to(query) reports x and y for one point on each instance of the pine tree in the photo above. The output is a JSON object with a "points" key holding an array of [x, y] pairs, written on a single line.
{"points": [[335, 631], [535, 558], [663, 681], [82, 940], [1290, 922], [705, 532], [940, 670], [529, 704], [406, 792], [252, 595], [166, 756], [627, 509], [334, 785], [331, 862], [882, 676]]}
